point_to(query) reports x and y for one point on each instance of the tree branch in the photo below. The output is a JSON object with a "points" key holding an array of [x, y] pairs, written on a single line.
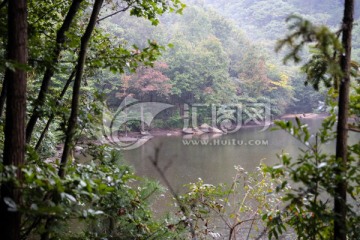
{"points": [[154, 160], [112, 14], [51, 118], [353, 128], [49, 72], [70, 132], [71, 127]]}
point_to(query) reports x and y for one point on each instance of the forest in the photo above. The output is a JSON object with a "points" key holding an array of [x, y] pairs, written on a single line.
{"points": [[85, 84], [208, 35]]}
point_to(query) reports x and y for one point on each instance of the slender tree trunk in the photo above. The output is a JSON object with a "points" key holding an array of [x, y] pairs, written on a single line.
{"points": [[76, 88], [50, 69], [4, 86], [3, 96], [51, 118], [142, 124], [75, 101], [340, 208], [14, 146]]}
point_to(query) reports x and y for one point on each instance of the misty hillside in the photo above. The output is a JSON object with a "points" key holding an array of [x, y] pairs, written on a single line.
{"points": [[224, 51], [265, 18]]}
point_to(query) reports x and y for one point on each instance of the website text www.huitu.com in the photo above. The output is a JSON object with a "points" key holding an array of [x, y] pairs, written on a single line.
{"points": [[225, 142]]}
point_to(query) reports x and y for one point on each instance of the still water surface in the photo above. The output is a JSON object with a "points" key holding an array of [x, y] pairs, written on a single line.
{"points": [[215, 163]]}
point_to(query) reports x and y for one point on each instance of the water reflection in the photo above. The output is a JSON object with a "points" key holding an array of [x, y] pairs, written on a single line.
{"points": [[215, 162]]}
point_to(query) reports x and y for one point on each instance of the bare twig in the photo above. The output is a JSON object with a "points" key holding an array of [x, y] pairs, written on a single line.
{"points": [[353, 128], [252, 223], [262, 234], [35, 223], [155, 161], [114, 13], [51, 118], [33, 60], [232, 230]]}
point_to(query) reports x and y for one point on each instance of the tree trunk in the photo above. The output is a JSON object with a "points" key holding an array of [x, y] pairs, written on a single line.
{"points": [[51, 118], [14, 146], [50, 69], [76, 88], [340, 208], [3, 97], [4, 85], [142, 123], [68, 145]]}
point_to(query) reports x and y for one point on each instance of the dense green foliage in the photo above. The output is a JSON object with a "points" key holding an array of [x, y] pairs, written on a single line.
{"points": [[309, 207], [216, 52], [209, 60], [103, 198], [324, 180], [221, 52], [100, 187]]}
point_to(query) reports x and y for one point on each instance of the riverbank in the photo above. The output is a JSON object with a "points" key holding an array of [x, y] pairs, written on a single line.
{"points": [[305, 116], [159, 132]]}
